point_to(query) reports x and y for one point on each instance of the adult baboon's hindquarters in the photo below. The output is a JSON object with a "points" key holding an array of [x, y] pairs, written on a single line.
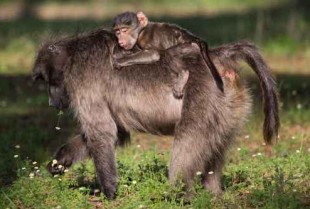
{"points": [[219, 117], [139, 97]]}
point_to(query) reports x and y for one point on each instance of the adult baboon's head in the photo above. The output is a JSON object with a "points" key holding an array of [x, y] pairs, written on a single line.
{"points": [[49, 66]]}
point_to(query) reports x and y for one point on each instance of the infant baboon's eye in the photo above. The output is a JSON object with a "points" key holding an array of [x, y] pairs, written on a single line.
{"points": [[124, 30]]}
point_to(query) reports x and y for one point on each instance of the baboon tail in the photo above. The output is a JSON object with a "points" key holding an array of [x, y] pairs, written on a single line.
{"points": [[216, 75], [247, 52]]}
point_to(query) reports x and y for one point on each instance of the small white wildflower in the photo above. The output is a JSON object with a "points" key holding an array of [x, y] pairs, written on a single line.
{"points": [[58, 207], [210, 172], [293, 137], [238, 148], [34, 163], [254, 155], [54, 162], [66, 170], [59, 179], [55, 176], [31, 175], [259, 154], [125, 185], [15, 156], [57, 128], [298, 151], [38, 171], [294, 190], [82, 188], [23, 168], [198, 173], [141, 206], [299, 106], [60, 166], [138, 146], [96, 191], [263, 144], [36, 167], [17, 146], [134, 182], [247, 136]]}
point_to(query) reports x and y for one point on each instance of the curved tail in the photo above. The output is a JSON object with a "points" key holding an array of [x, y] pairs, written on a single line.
{"points": [[205, 55], [245, 51]]}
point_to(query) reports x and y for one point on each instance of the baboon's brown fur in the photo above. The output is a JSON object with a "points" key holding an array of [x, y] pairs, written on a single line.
{"points": [[109, 103]]}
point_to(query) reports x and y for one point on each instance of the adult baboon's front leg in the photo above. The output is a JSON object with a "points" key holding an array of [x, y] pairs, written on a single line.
{"points": [[101, 136]]}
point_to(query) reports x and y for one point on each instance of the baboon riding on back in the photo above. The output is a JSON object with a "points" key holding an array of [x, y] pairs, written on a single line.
{"points": [[109, 103]]}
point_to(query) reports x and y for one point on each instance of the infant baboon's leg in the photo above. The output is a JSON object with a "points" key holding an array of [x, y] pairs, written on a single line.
{"points": [[178, 87]]}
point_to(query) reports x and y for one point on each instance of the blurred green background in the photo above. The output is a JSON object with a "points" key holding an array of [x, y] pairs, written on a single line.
{"points": [[280, 28]]}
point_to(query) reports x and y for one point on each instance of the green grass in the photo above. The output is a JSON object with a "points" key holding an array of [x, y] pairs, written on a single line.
{"points": [[281, 181]]}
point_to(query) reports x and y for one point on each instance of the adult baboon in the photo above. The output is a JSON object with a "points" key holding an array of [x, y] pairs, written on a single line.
{"points": [[80, 74]]}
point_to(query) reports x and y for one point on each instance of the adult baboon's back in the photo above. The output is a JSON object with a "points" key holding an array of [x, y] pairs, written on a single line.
{"points": [[108, 102]]}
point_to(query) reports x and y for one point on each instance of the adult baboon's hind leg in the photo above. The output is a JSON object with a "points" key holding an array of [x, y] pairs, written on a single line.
{"points": [[186, 162], [212, 176]]}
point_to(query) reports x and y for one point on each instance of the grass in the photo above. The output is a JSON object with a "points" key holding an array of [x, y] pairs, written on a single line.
{"points": [[250, 180]]}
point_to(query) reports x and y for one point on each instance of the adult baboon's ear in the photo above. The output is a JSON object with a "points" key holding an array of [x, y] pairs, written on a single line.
{"points": [[143, 20]]}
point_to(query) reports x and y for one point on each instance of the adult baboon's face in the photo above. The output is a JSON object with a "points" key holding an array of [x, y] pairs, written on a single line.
{"points": [[49, 66]]}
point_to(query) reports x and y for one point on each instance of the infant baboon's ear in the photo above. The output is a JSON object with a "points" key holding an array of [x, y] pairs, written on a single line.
{"points": [[143, 20]]}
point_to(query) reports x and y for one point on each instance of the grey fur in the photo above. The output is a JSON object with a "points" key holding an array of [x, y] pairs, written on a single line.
{"points": [[107, 101]]}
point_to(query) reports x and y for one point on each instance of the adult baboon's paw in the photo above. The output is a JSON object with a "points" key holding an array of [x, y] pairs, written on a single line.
{"points": [[54, 167]]}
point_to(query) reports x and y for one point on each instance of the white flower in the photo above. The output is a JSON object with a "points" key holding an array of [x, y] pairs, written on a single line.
{"points": [[293, 137], [254, 155], [198, 173], [134, 182], [31, 175], [36, 167], [38, 171], [238, 148], [96, 191], [57, 128], [298, 151], [210, 172], [259, 154], [299, 106], [247, 136], [34, 163], [17, 146], [15, 156], [138, 146], [60, 166], [23, 168], [54, 162], [66, 170]]}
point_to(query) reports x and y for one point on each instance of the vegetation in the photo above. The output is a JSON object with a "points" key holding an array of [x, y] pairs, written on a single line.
{"points": [[250, 180]]}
